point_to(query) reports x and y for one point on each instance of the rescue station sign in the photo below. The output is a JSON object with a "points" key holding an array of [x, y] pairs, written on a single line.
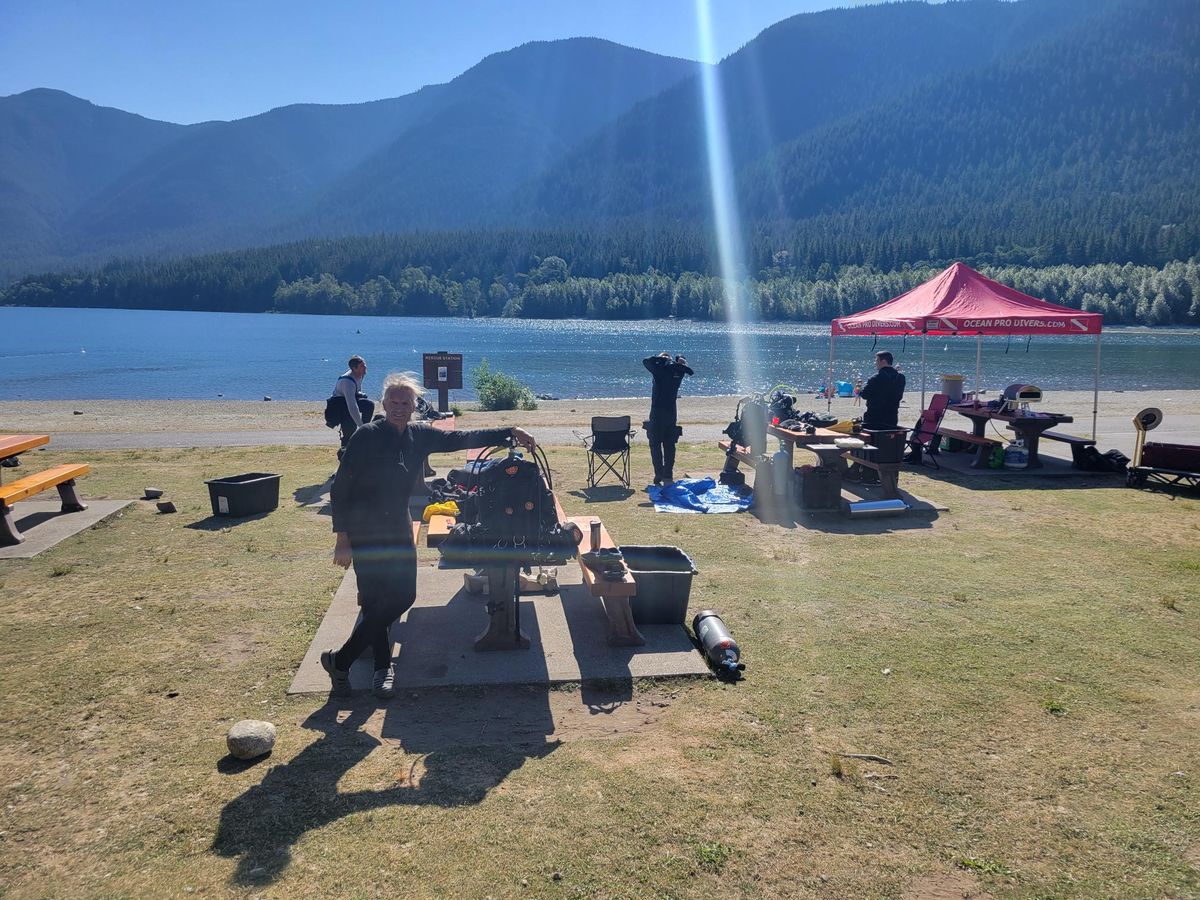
{"points": [[443, 370]]}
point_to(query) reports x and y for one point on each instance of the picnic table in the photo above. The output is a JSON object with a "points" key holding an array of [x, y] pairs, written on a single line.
{"points": [[1028, 428], [61, 477], [820, 437], [12, 445]]}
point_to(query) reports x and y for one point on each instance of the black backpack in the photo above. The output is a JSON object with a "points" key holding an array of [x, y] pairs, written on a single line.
{"points": [[336, 413], [515, 519]]}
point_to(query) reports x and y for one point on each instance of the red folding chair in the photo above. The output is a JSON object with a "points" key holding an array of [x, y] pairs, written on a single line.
{"points": [[924, 434]]}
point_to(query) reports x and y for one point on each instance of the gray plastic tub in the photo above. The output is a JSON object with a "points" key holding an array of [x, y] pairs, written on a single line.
{"points": [[663, 576]]}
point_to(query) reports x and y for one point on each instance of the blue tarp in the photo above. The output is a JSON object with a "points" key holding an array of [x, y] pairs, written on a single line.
{"points": [[697, 495]]}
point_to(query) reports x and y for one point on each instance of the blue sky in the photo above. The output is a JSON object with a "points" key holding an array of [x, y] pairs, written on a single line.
{"points": [[193, 60]]}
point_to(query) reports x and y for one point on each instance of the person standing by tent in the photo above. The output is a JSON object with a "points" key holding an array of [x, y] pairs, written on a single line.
{"points": [[349, 387], [883, 392], [662, 429]]}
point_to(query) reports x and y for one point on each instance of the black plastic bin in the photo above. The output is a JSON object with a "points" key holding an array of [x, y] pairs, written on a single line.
{"points": [[663, 576], [891, 443], [244, 495], [818, 488]]}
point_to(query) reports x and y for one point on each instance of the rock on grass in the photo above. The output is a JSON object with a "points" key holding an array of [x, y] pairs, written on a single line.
{"points": [[250, 738]]}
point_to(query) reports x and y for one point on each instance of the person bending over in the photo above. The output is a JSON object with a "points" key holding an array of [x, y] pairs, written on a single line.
{"points": [[373, 525], [662, 429], [883, 392]]}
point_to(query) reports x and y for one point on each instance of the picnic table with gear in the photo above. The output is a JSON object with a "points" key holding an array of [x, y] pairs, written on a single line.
{"points": [[1029, 428]]}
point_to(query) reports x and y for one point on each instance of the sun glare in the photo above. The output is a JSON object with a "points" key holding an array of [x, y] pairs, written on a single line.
{"points": [[726, 222]]}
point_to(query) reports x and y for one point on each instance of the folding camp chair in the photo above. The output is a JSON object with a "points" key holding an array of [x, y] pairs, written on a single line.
{"points": [[924, 435], [608, 449]]}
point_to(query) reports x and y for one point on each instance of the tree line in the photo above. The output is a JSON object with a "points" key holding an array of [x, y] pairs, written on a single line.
{"points": [[550, 288]]}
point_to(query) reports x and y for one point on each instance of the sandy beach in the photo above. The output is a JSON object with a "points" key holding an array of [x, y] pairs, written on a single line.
{"points": [[116, 424]]}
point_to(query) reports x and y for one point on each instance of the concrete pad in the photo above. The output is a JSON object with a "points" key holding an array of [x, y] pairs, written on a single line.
{"points": [[44, 524], [436, 640], [1053, 466]]}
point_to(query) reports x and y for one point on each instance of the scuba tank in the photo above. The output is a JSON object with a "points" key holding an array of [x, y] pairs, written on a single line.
{"points": [[720, 649], [781, 472], [763, 482]]}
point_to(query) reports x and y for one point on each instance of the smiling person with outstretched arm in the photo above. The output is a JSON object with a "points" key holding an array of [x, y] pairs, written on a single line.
{"points": [[371, 518]]}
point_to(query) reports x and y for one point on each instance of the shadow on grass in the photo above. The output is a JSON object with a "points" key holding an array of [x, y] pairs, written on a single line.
{"points": [[217, 523], [260, 827], [609, 493], [233, 765], [1058, 478], [313, 495]]}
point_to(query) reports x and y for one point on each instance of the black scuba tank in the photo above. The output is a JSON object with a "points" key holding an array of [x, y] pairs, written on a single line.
{"points": [[719, 647]]}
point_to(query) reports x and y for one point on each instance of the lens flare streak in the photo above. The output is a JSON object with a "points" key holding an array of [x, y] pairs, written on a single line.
{"points": [[726, 220]]}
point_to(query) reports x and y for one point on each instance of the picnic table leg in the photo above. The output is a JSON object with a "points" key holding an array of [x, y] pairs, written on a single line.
{"points": [[70, 499], [1031, 447], [502, 632], [8, 527], [889, 484], [622, 632]]}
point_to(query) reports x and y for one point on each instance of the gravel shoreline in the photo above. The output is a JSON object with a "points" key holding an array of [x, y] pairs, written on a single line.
{"points": [[198, 416]]}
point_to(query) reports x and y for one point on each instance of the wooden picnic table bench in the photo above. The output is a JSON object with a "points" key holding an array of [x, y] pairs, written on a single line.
{"points": [[740, 453], [1077, 444], [614, 595], [61, 477], [982, 444], [889, 473]]}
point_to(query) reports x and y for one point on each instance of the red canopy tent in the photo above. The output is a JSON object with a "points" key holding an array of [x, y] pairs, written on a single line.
{"points": [[960, 301]]}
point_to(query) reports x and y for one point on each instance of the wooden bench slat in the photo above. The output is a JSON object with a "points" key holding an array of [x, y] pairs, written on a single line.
{"points": [[26, 487], [596, 585], [439, 528], [966, 437], [740, 453], [1068, 438]]}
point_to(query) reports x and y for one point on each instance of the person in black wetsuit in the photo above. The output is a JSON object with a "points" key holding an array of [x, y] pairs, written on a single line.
{"points": [[661, 428], [883, 392], [371, 519]]}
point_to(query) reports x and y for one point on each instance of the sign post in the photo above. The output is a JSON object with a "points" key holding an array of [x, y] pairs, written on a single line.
{"points": [[443, 371]]}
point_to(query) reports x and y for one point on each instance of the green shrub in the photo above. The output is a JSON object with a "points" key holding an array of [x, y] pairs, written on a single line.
{"points": [[499, 391]]}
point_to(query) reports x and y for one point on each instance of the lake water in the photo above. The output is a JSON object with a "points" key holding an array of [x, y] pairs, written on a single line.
{"points": [[70, 354]]}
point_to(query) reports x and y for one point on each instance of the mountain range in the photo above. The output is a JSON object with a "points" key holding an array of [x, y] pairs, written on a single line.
{"points": [[1063, 130]]}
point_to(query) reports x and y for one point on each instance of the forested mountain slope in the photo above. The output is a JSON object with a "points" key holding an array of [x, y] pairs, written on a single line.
{"points": [[797, 76], [304, 169], [57, 151]]}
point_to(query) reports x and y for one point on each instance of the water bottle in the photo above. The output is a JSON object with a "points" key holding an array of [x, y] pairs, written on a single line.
{"points": [[720, 649]]}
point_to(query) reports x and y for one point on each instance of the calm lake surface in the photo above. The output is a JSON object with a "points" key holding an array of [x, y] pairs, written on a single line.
{"points": [[68, 354]]}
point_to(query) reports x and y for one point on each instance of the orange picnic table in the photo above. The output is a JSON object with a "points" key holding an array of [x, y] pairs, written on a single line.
{"points": [[13, 444]]}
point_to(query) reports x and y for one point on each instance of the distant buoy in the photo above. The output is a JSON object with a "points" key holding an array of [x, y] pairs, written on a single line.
{"points": [[81, 350]]}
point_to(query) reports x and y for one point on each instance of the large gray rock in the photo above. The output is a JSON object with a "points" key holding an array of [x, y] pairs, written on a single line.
{"points": [[251, 738]]}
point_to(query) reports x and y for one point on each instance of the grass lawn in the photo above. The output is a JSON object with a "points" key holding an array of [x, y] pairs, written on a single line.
{"points": [[1029, 662]]}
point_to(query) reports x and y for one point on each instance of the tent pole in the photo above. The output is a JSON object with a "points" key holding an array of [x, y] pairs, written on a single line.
{"points": [[922, 371], [1096, 388], [978, 358], [829, 377]]}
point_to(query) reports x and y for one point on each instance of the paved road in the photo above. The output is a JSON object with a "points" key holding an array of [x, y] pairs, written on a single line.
{"points": [[1112, 432]]}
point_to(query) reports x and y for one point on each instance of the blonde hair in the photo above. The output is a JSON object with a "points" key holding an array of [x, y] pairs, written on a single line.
{"points": [[397, 381]]}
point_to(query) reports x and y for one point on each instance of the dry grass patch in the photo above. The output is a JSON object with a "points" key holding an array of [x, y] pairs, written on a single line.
{"points": [[1039, 709]]}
